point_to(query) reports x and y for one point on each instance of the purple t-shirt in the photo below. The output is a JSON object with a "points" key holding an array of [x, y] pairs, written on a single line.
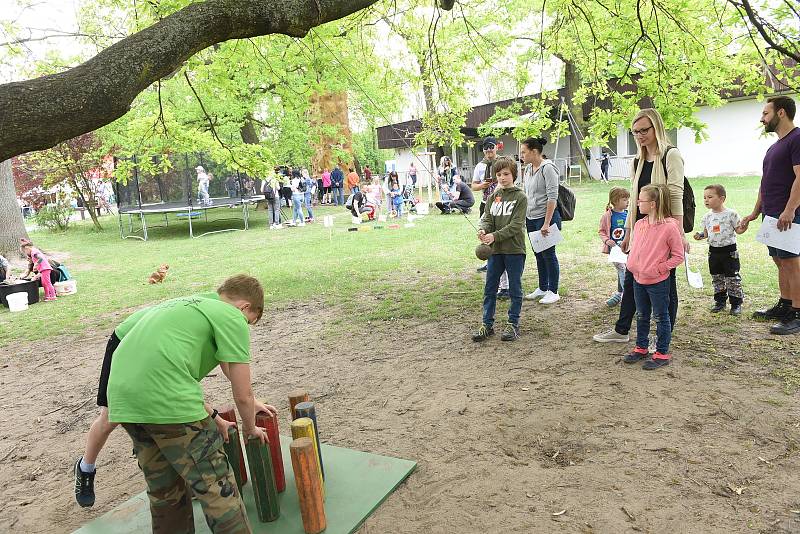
{"points": [[778, 177]]}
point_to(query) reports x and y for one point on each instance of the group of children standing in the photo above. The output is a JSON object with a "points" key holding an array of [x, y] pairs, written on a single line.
{"points": [[656, 248]]}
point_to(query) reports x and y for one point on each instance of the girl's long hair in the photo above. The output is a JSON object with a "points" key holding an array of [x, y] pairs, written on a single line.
{"points": [[614, 196], [658, 126], [659, 193]]}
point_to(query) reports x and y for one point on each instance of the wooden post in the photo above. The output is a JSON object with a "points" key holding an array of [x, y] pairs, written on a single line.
{"points": [[269, 423], [296, 397], [304, 428], [309, 488], [264, 490], [233, 449], [307, 409], [228, 413]]}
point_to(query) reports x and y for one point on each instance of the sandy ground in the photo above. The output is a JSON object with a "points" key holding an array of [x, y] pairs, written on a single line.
{"points": [[549, 434]]}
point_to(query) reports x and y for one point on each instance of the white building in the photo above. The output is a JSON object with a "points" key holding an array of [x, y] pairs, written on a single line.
{"points": [[734, 143]]}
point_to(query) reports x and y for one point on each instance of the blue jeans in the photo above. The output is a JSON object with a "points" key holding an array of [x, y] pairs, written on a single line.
{"points": [[307, 200], [655, 299], [297, 207], [513, 264], [546, 260], [355, 189], [338, 195]]}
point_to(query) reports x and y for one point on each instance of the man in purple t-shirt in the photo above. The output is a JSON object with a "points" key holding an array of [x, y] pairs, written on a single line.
{"points": [[779, 197]]}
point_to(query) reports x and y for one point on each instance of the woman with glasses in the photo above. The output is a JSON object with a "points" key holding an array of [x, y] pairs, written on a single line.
{"points": [[654, 156]]}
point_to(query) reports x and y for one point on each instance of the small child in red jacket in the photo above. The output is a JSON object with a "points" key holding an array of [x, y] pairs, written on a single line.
{"points": [[656, 249]]}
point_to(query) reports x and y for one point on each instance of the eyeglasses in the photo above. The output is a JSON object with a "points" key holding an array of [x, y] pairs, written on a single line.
{"points": [[489, 147], [643, 131]]}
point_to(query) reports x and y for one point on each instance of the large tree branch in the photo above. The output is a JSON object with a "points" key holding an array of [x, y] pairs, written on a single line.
{"points": [[39, 113]]}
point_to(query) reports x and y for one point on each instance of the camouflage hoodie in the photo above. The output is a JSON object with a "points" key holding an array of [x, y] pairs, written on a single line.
{"points": [[505, 218]]}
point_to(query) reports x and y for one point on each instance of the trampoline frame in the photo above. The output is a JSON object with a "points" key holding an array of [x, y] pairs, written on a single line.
{"points": [[188, 207], [155, 209]]}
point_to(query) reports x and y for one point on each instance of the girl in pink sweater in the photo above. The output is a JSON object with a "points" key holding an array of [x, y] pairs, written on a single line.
{"points": [[656, 249], [42, 266]]}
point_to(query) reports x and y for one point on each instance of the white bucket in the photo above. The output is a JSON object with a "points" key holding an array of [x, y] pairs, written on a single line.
{"points": [[423, 208], [17, 301], [67, 287]]}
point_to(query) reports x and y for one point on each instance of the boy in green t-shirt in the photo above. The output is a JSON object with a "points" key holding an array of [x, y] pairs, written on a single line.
{"points": [[159, 356]]}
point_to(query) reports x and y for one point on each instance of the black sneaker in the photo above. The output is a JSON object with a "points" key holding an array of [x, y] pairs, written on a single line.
{"points": [[483, 333], [789, 325], [736, 309], [483, 268], [635, 357], [718, 307], [84, 486], [777, 312], [655, 363], [503, 294], [510, 333]]}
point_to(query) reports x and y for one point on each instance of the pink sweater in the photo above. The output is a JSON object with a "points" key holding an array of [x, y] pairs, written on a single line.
{"points": [[656, 249]]}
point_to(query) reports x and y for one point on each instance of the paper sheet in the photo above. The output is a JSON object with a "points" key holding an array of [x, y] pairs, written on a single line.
{"points": [[695, 279], [788, 240], [540, 242], [615, 255]]}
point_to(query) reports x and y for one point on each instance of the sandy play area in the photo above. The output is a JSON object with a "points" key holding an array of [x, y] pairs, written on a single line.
{"points": [[549, 434]]}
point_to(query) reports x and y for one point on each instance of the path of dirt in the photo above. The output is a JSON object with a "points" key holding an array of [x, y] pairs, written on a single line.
{"points": [[548, 434]]}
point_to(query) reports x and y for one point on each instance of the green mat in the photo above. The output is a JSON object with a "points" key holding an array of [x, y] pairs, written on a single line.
{"points": [[356, 483]]}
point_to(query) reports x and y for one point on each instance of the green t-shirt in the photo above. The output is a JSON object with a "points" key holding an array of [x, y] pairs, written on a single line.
{"points": [[125, 326], [156, 370]]}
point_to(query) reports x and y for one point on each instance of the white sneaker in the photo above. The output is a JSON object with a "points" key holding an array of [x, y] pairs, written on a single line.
{"points": [[611, 337], [536, 294], [550, 298]]}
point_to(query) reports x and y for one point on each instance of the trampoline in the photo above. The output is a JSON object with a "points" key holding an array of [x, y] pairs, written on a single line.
{"points": [[174, 194]]}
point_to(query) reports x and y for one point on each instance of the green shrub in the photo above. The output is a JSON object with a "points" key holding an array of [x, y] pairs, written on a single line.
{"points": [[54, 216]]}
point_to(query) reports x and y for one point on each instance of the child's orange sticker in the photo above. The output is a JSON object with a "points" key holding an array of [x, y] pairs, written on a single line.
{"points": [[716, 229]]}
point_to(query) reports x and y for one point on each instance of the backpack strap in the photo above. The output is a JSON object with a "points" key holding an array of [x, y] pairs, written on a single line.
{"points": [[664, 160]]}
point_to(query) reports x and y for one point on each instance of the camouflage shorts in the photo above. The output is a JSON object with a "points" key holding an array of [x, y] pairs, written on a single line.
{"points": [[182, 457]]}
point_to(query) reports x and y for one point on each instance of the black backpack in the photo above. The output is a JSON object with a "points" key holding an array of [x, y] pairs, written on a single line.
{"points": [[566, 203], [566, 200], [689, 204], [269, 192], [302, 186]]}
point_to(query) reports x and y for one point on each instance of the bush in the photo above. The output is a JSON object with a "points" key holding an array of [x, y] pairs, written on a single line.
{"points": [[54, 216]]}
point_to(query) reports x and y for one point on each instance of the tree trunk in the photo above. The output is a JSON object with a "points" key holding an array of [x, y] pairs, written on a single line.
{"points": [[249, 132], [12, 225], [330, 110], [572, 82], [45, 111]]}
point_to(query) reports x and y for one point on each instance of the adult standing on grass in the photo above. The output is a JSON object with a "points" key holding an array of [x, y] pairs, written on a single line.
{"points": [[654, 153], [154, 392], [483, 179], [271, 190], [353, 181], [337, 184], [540, 182], [412, 174], [325, 193], [779, 197]]}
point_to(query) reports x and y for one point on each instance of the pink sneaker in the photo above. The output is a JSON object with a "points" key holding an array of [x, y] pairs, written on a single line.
{"points": [[49, 299]]}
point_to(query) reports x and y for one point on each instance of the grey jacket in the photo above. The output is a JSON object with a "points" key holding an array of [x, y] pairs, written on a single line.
{"points": [[540, 186]]}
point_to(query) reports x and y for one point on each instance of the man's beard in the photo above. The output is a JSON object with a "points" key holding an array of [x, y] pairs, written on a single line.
{"points": [[770, 126]]}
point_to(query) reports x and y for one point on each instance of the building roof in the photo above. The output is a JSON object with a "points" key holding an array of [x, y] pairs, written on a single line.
{"points": [[402, 134]]}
